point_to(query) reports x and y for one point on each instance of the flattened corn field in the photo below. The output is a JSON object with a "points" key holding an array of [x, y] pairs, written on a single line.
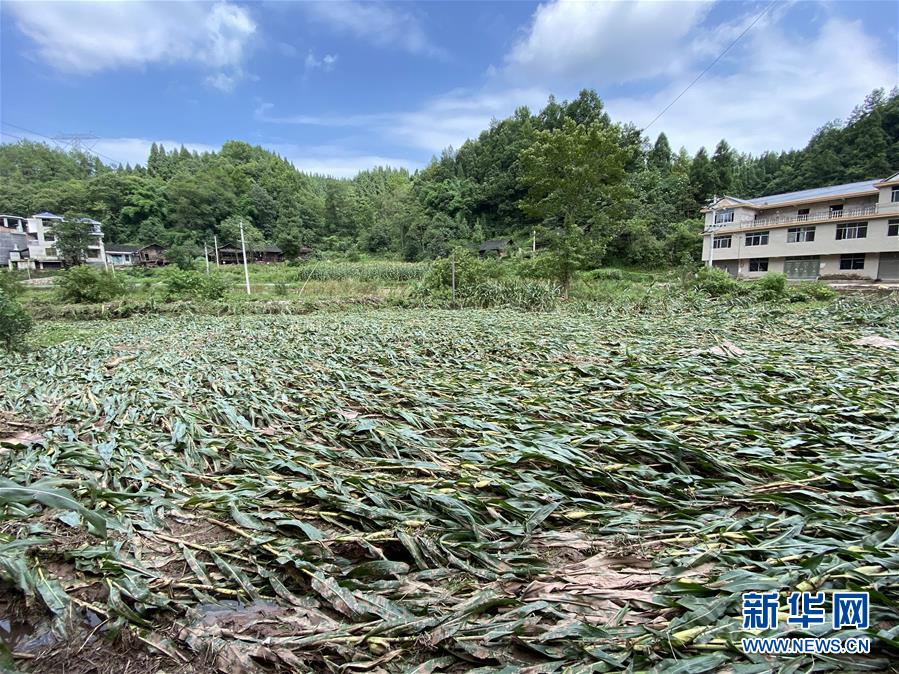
{"points": [[444, 491]]}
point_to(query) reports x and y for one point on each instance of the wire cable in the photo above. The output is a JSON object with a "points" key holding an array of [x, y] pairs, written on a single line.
{"points": [[710, 66]]}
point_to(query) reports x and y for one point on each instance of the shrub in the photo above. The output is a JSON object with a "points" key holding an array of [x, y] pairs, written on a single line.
{"points": [[808, 291], [191, 284], [480, 284], [281, 288], [10, 284], [14, 321], [771, 286], [469, 272], [513, 293], [717, 282], [88, 284]]}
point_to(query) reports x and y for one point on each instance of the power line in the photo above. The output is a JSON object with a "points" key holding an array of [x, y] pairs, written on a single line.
{"points": [[711, 65], [60, 139]]}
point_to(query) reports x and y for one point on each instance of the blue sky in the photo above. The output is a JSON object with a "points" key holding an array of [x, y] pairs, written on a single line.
{"points": [[341, 86]]}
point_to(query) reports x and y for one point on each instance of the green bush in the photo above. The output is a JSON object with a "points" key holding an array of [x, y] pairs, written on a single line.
{"points": [[771, 286], [85, 283], [14, 321], [470, 271], [613, 274], [483, 284], [10, 284], [717, 282], [195, 285], [811, 291]]}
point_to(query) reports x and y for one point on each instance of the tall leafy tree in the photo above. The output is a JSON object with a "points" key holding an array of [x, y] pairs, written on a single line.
{"points": [[73, 236], [660, 156], [702, 177], [724, 163], [576, 184]]}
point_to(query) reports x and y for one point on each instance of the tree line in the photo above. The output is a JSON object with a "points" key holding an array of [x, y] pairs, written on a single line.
{"points": [[598, 189]]}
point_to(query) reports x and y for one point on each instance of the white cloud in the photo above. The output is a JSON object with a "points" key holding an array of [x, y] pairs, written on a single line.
{"points": [[603, 42], [380, 24], [337, 160], [445, 120], [775, 95], [326, 62], [89, 37]]}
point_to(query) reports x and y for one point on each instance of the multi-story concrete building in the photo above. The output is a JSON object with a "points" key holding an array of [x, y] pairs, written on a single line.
{"points": [[40, 251], [12, 237], [842, 231]]}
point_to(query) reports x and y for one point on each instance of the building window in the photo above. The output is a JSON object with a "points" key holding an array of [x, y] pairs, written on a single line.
{"points": [[49, 237], [724, 216], [894, 194], [50, 252], [852, 230], [893, 228], [836, 211], [800, 234], [852, 261], [757, 239], [92, 254], [722, 242], [758, 264]]}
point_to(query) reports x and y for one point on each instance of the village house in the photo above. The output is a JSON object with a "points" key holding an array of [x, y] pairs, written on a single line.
{"points": [[40, 251], [266, 253], [495, 247], [129, 255], [842, 231]]}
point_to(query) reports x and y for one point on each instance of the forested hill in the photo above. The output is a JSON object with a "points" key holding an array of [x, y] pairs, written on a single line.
{"points": [[181, 198]]}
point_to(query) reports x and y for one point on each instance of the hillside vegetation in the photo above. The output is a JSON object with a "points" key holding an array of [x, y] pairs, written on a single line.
{"points": [[646, 216]]}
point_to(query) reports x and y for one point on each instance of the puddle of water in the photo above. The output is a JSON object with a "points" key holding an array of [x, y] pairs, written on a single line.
{"points": [[23, 636]]}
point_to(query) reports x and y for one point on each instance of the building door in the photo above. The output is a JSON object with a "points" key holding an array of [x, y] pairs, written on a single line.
{"points": [[730, 266], [802, 267], [889, 267]]}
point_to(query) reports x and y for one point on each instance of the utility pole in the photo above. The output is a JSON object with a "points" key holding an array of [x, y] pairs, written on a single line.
{"points": [[206, 256], [246, 269], [215, 240], [533, 240]]}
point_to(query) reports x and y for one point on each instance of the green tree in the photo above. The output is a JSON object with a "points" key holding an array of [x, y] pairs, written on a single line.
{"points": [[702, 178], [575, 182], [660, 156], [73, 236], [229, 232], [724, 164]]}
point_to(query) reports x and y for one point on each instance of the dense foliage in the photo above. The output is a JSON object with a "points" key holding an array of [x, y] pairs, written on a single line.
{"points": [[15, 322], [486, 188], [383, 490], [86, 283]]}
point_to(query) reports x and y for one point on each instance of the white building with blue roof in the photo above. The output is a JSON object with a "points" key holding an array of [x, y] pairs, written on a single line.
{"points": [[846, 231]]}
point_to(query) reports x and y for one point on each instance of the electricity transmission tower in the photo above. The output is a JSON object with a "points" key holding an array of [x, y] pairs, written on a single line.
{"points": [[77, 141]]}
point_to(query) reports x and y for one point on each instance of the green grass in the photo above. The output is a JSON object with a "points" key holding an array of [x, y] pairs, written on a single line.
{"points": [[459, 488]]}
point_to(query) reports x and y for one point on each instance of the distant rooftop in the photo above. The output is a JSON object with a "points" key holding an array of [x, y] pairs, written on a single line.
{"points": [[89, 221], [47, 215], [862, 187]]}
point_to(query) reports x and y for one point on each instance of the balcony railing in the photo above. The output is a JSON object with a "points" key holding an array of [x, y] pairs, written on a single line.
{"points": [[811, 217]]}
